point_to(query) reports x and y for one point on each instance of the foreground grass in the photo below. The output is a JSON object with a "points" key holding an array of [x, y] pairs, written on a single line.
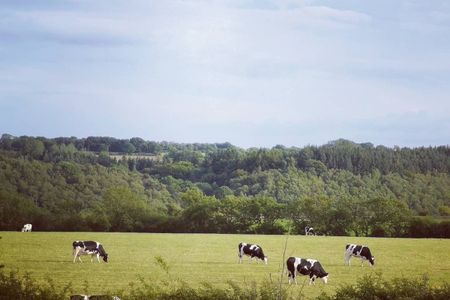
{"points": [[211, 258]]}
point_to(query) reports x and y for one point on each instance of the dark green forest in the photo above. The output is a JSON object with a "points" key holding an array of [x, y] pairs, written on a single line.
{"points": [[109, 184]]}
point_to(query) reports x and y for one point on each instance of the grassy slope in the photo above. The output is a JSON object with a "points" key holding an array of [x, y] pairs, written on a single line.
{"points": [[212, 258]]}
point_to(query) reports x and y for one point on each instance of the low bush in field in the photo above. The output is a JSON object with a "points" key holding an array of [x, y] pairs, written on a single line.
{"points": [[428, 227], [181, 290], [14, 287], [372, 287]]}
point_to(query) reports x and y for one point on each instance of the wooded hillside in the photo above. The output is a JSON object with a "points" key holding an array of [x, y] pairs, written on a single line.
{"points": [[108, 184]]}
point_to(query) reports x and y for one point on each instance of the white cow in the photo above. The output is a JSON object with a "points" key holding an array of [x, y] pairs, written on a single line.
{"points": [[360, 251], [309, 231], [254, 251], [27, 228], [91, 248], [311, 267]]}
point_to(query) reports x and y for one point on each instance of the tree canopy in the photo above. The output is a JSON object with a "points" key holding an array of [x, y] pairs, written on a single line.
{"points": [[103, 183]]}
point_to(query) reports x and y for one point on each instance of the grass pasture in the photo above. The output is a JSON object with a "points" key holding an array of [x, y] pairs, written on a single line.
{"points": [[212, 258]]}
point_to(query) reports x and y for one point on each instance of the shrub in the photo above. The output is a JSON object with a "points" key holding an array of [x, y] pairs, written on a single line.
{"points": [[369, 287], [14, 287], [428, 228], [444, 210], [374, 287]]}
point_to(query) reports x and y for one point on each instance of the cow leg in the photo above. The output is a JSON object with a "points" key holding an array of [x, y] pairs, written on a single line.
{"points": [[241, 255], [292, 278], [75, 254], [291, 272], [98, 257], [79, 258], [347, 260]]}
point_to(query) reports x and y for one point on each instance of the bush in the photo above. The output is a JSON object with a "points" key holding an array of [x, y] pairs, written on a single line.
{"points": [[428, 228], [374, 287], [444, 211], [180, 290], [369, 287], [14, 287]]}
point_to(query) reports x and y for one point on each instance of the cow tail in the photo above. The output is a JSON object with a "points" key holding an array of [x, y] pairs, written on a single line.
{"points": [[74, 246]]}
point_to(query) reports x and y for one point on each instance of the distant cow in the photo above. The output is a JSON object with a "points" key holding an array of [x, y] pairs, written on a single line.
{"points": [[252, 251], [79, 297], [303, 266], [27, 228], [358, 251], [89, 248], [93, 297], [309, 231]]}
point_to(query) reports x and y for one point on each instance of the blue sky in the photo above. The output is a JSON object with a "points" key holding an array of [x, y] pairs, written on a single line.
{"points": [[253, 73]]}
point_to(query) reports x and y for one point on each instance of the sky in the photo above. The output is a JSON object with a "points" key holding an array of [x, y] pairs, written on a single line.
{"points": [[255, 73]]}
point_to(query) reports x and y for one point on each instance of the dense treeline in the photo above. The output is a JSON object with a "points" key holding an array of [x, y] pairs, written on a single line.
{"points": [[341, 154], [107, 184]]}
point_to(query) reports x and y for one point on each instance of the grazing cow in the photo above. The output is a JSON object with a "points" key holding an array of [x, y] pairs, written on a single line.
{"points": [[93, 297], [303, 266], [252, 251], [27, 228], [79, 297], [309, 231], [89, 248], [358, 251]]}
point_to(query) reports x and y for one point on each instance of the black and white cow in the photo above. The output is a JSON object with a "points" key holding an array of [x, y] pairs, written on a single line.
{"points": [[27, 228], [358, 251], [309, 231], [89, 248], [93, 297], [303, 266], [252, 251]]}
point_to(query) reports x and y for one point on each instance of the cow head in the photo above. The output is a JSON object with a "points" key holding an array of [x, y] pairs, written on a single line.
{"points": [[77, 244], [325, 278], [105, 258], [372, 260]]}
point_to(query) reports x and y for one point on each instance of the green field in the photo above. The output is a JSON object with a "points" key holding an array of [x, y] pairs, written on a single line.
{"points": [[212, 258]]}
